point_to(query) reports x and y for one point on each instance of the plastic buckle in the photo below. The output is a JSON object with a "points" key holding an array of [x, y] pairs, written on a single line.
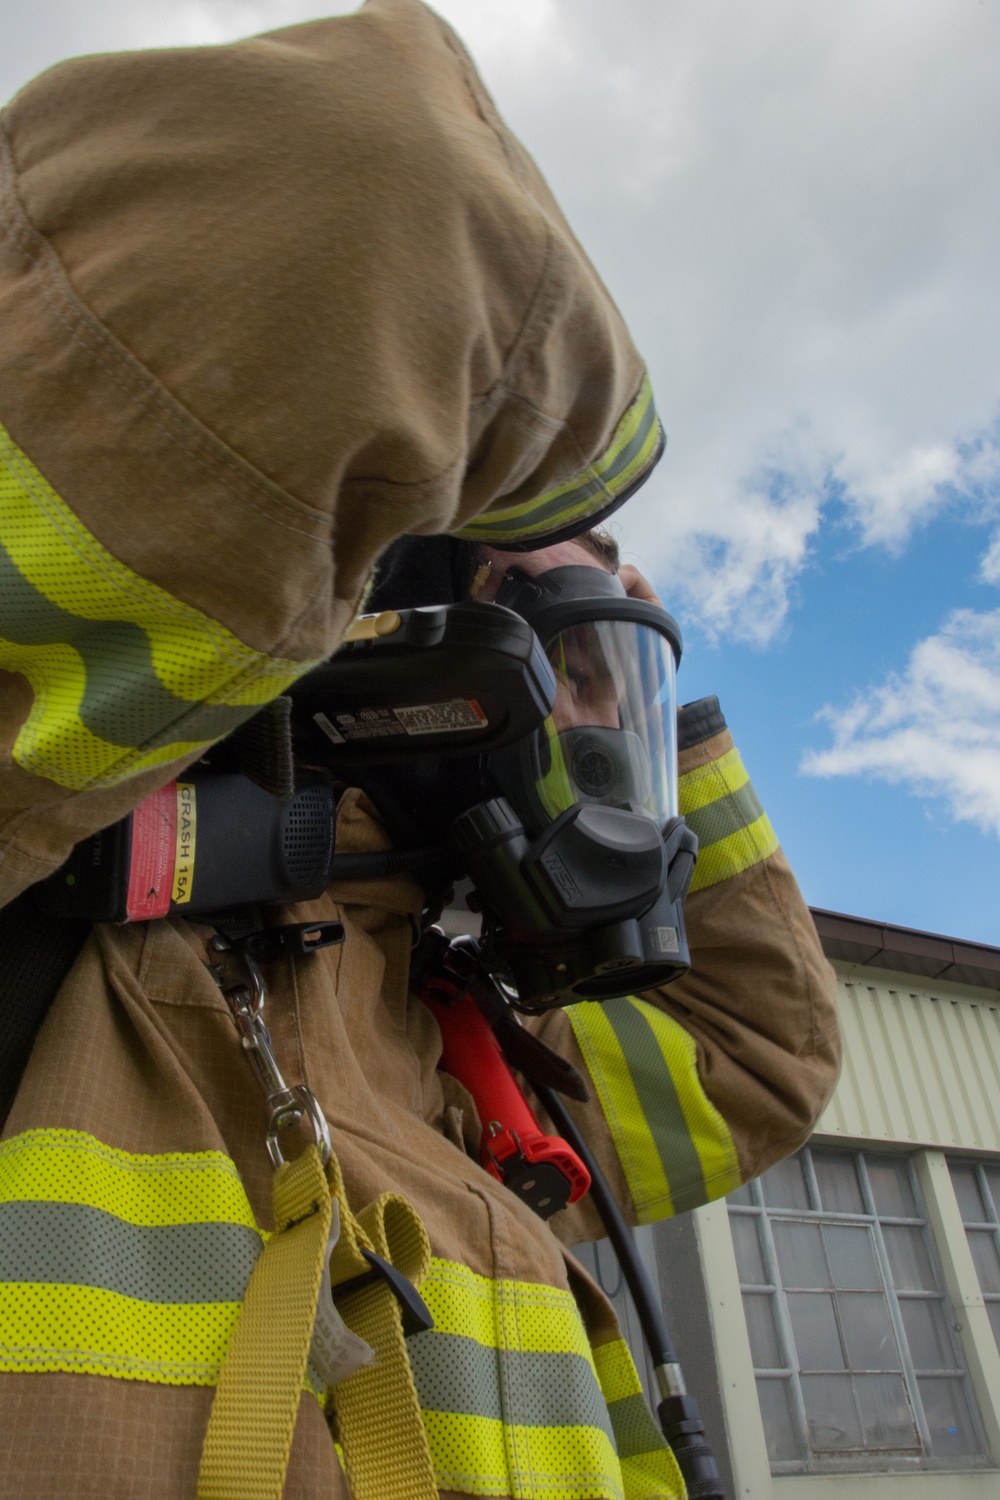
{"points": [[294, 937], [415, 1312]]}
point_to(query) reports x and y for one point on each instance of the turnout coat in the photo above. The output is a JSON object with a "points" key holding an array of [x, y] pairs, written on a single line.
{"points": [[262, 309]]}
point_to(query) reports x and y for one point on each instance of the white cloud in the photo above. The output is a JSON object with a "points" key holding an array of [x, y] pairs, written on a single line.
{"points": [[797, 206], [934, 728], [990, 567]]}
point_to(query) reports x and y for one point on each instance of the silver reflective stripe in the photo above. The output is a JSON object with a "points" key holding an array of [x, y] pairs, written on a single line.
{"points": [[657, 1094], [124, 702], [566, 504], [74, 1245], [634, 1427], [725, 816], [518, 1387]]}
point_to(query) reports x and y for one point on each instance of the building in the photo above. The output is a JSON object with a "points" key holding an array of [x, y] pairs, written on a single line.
{"points": [[839, 1319]]}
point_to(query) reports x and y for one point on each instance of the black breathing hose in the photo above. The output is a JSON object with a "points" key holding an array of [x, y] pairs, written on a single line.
{"points": [[679, 1415]]}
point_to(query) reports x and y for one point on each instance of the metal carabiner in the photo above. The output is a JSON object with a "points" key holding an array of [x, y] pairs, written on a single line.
{"points": [[239, 977], [304, 1103]]}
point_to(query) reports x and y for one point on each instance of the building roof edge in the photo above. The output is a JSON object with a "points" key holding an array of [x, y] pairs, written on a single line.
{"points": [[907, 950]]}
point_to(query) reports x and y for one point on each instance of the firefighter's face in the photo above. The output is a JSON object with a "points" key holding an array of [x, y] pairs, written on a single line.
{"points": [[587, 693]]}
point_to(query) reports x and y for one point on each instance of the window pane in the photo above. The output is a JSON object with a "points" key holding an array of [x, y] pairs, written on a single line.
{"points": [[830, 1411], [993, 1308], [814, 1327], [800, 1254], [784, 1185], [741, 1195], [993, 1182], [747, 1246], [927, 1334], [970, 1201], [775, 1409], [852, 1257], [607, 1271], [890, 1180], [947, 1413], [759, 1309], [838, 1182], [983, 1244], [885, 1412], [911, 1267], [871, 1343]]}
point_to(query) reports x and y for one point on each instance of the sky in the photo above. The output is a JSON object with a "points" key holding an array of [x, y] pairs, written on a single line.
{"points": [[797, 207]]}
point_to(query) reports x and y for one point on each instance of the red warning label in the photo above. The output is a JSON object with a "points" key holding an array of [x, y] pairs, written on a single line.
{"points": [[154, 850]]}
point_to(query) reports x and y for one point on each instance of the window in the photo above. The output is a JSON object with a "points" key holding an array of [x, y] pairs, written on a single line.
{"points": [[852, 1338], [977, 1189]]}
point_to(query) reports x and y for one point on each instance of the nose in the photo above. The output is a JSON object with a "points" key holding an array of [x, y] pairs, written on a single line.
{"points": [[593, 703]]}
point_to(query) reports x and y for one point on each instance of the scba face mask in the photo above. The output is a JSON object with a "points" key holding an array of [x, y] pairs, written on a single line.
{"points": [[583, 861], [611, 738]]}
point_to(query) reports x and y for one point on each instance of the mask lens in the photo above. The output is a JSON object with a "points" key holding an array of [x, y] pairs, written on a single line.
{"points": [[612, 736]]}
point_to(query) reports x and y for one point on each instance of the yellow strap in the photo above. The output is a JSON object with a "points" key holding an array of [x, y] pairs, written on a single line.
{"points": [[249, 1436], [381, 1431]]}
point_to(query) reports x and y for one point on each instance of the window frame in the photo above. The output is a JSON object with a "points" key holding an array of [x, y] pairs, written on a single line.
{"points": [[859, 1460], [990, 1200]]}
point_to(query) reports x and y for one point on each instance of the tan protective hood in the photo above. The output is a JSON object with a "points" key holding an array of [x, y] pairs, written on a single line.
{"points": [[264, 307]]}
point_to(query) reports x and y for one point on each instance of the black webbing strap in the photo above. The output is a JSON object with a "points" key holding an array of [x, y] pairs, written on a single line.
{"points": [[36, 954]]}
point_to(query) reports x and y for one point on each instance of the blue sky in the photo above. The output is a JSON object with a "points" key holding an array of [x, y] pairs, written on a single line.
{"points": [[858, 844], [797, 207]]}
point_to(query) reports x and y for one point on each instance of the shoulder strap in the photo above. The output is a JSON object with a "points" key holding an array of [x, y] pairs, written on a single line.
{"points": [[36, 954]]}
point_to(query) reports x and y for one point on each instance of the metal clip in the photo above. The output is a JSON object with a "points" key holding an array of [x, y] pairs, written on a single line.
{"points": [[242, 984]]}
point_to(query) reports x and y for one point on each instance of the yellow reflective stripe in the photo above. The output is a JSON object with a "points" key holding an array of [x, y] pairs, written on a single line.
{"points": [[653, 1476], [493, 1428], [518, 1315], [555, 789], [722, 808], [650, 1469], [69, 1166], [710, 782], [131, 1266], [90, 1331], [738, 852], [633, 449], [708, 1130], [124, 675], [53, 742], [675, 1147], [479, 1456], [619, 1099], [616, 1371]]}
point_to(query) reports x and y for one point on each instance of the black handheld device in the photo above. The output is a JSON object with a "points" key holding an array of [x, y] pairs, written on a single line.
{"points": [[413, 685]]}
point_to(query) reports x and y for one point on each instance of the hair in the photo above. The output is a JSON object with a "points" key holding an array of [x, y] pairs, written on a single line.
{"points": [[603, 546]]}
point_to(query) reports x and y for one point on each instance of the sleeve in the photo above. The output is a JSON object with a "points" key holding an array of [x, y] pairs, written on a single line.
{"points": [[350, 311], [701, 1085]]}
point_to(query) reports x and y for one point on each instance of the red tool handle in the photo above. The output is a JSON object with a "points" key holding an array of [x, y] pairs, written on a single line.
{"points": [[471, 1053]]}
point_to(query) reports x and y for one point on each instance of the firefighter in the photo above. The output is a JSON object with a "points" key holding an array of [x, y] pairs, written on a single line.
{"points": [[267, 307]]}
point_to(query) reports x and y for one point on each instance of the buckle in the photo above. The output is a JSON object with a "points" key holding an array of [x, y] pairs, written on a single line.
{"points": [[416, 1314]]}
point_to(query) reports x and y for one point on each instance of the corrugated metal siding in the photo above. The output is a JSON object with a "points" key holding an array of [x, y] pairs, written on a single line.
{"points": [[920, 1065]]}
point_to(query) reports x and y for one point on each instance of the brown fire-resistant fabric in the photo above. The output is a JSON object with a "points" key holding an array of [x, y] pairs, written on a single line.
{"points": [[85, 1438], [760, 1002], [140, 1051], [264, 307]]}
